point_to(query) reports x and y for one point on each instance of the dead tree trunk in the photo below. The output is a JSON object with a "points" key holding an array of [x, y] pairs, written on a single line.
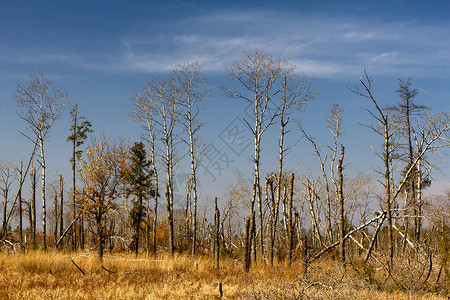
{"points": [[216, 236], [341, 207], [20, 202], [289, 219], [33, 204], [247, 244], [81, 234], [155, 221], [55, 229], [387, 178], [261, 220], [311, 196], [272, 218], [5, 202], [305, 254], [170, 220], [61, 205], [44, 208], [253, 237], [419, 204], [374, 237]]}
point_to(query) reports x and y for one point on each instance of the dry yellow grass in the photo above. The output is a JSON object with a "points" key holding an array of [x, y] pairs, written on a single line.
{"points": [[52, 275]]}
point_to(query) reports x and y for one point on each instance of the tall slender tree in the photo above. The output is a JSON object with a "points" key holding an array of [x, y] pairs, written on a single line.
{"points": [[294, 93], [145, 111], [79, 129], [61, 205], [340, 199], [33, 205], [408, 111], [41, 105], [192, 87], [166, 105], [258, 76], [385, 129]]}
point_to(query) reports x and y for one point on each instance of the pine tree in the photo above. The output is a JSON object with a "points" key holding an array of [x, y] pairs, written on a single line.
{"points": [[139, 177]]}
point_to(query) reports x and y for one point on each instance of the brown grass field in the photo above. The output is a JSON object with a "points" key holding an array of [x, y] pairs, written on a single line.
{"points": [[52, 275]]}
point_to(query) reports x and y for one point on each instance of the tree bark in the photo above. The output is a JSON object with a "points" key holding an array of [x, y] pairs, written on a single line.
{"points": [[247, 244], [33, 204], [81, 234], [74, 189], [55, 229], [216, 236], [311, 195], [272, 219], [155, 221], [387, 179], [419, 204], [5, 202], [170, 221], [341, 206], [138, 228], [61, 206], [20, 202], [44, 211], [100, 237], [290, 224], [374, 238]]}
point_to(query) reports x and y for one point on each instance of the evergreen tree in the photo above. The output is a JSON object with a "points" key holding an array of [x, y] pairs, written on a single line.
{"points": [[139, 179], [79, 129]]}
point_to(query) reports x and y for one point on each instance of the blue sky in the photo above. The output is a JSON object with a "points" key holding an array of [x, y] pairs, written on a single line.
{"points": [[103, 51]]}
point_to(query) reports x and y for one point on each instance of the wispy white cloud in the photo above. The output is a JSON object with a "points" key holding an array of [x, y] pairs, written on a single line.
{"points": [[387, 57], [319, 46], [322, 47], [357, 36]]}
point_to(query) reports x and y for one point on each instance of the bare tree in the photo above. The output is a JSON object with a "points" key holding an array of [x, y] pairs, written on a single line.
{"points": [[334, 125], [313, 199], [167, 108], [322, 160], [145, 111], [19, 196], [53, 215], [258, 76], [41, 105], [294, 93], [340, 198], [8, 174], [290, 223], [33, 206], [407, 112], [429, 138], [192, 88], [61, 205], [387, 132], [216, 235]]}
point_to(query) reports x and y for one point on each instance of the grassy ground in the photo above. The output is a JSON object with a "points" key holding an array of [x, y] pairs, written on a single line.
{"points": [[52, 275]]}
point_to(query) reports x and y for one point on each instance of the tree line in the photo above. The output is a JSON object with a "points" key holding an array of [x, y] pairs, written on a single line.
{"points": [[116, 188]]}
